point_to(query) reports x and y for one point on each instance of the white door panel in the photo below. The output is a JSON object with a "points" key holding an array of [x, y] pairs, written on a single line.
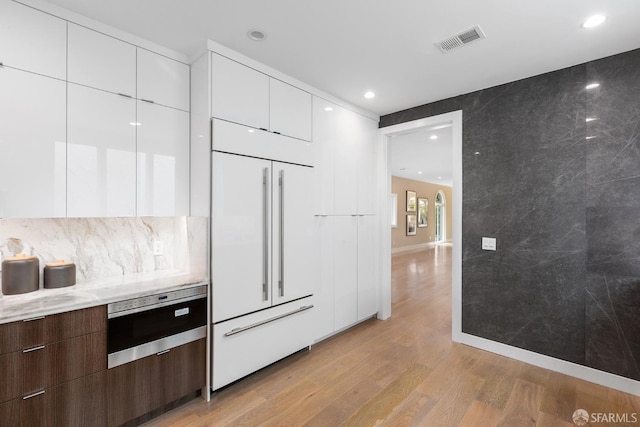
{"points": [[292, 232], [238, 251]]}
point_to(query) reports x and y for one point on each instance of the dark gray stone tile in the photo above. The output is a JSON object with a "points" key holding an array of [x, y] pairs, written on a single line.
{"points": [[612, 326], [613, 236], [613, 154]]}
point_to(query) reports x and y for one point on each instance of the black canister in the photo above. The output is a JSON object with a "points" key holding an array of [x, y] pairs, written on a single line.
{"points": [[59, 274], [20, 274]]}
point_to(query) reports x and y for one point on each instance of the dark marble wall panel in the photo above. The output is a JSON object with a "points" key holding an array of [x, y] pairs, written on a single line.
{"points": [[565, 211], [612, 311], [613, 215]]}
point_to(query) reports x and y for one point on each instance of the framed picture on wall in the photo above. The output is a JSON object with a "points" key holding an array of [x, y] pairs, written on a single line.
{"points": [[423, 204], [411, 201], [412, 228]]}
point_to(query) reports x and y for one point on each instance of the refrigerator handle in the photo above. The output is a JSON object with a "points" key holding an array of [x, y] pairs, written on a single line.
{"points": [[265, 235], [281, 281]]}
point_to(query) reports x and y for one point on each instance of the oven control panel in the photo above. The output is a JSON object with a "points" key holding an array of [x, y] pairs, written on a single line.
{"points": [[152, 301]]}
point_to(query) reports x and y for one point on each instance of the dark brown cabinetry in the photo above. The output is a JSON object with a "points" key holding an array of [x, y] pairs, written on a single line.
{"points": [[146, 385], [53, 370]]}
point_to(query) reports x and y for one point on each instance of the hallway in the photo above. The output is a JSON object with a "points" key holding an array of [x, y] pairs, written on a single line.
{"points": [[404, 371]]}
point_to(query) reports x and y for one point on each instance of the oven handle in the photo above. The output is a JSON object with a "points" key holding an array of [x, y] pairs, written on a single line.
{"points": [[255, 325]]}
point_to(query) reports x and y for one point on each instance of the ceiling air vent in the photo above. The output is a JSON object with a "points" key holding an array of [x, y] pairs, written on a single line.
{"points": [[460, 39]]}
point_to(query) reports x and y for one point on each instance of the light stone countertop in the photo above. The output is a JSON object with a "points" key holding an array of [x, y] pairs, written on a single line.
{"points": [[93, 293]]}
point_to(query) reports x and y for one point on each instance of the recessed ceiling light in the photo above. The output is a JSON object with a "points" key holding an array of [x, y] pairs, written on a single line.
{"points": [[476, 153], [256, 35], [590, 137], [251, 130], [419, 172], [594, 21], [369, 95], [135, 124], [439, 177], [328, 108], [590, 119], [592, 85], [433, 137]]}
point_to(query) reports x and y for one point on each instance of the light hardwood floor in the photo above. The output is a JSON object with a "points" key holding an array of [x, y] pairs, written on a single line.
{"points": [[404, 371]]}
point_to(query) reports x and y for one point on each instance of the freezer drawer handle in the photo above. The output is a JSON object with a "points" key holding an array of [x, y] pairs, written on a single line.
{"points": [[255, 325]]}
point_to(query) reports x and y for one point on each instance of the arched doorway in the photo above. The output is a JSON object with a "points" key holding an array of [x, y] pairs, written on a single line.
{"points": [[441, 227]]}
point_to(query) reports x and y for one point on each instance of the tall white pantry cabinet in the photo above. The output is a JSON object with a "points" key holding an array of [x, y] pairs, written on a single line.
{"points": [[253, 141]]}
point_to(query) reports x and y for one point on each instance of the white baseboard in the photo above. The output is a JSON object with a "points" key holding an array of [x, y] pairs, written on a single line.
{"points": [[569, 368], [420, 246]]}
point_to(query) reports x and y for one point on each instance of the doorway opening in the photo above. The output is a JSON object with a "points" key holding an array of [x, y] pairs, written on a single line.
{"points": [[386, 137]]}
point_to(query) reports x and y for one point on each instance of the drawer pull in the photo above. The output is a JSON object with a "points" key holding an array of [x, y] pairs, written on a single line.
{"points": [[160, 353], [255, 325], [147, 100], [34, 318], [29, 350], [37, 393], [125, 95]]}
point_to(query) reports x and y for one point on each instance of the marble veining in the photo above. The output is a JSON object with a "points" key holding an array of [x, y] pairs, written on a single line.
{"points": [[110, 247], [557, 181]]}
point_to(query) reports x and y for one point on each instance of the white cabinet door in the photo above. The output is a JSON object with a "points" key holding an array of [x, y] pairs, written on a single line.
{"points": [[33, 145], [101, 61], [346, 163], [324, 137], [367, 265], [162, 80], [290, 110], [101, 153], [324, 294], [346, 271], [292, 232], [367, 158], [238, 93], [240, 235], [32, 40], [163, 161]]}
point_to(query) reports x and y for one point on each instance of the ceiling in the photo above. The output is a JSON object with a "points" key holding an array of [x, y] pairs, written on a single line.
{"points": [[415, 155], [347, 47]]}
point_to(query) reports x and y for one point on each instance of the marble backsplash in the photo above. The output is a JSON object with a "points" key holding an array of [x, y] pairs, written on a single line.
{"points": [[108, 247]]}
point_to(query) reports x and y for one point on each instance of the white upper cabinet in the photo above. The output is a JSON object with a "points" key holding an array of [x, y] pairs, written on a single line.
{"points": [[324, 137], [162, 80], [32, 40], [101, 153], [290, 110], [246, 96], [345, 148], [367, 146], [101, 61], [163, 161], [238, 93], [33, 145]]}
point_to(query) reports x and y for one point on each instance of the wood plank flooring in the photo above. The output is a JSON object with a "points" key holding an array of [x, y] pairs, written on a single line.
{"points": [[404, 371]]}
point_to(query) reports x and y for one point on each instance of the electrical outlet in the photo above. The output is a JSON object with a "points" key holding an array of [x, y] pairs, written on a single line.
{"points": [[158, 247], [489, 243]]}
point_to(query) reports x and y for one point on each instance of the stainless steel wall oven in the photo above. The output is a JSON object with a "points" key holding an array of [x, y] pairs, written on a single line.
{"points": [[154, 324]]}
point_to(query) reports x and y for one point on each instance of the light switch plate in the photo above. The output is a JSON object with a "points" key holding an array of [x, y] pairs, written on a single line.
{"points": [[489, 243]]}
